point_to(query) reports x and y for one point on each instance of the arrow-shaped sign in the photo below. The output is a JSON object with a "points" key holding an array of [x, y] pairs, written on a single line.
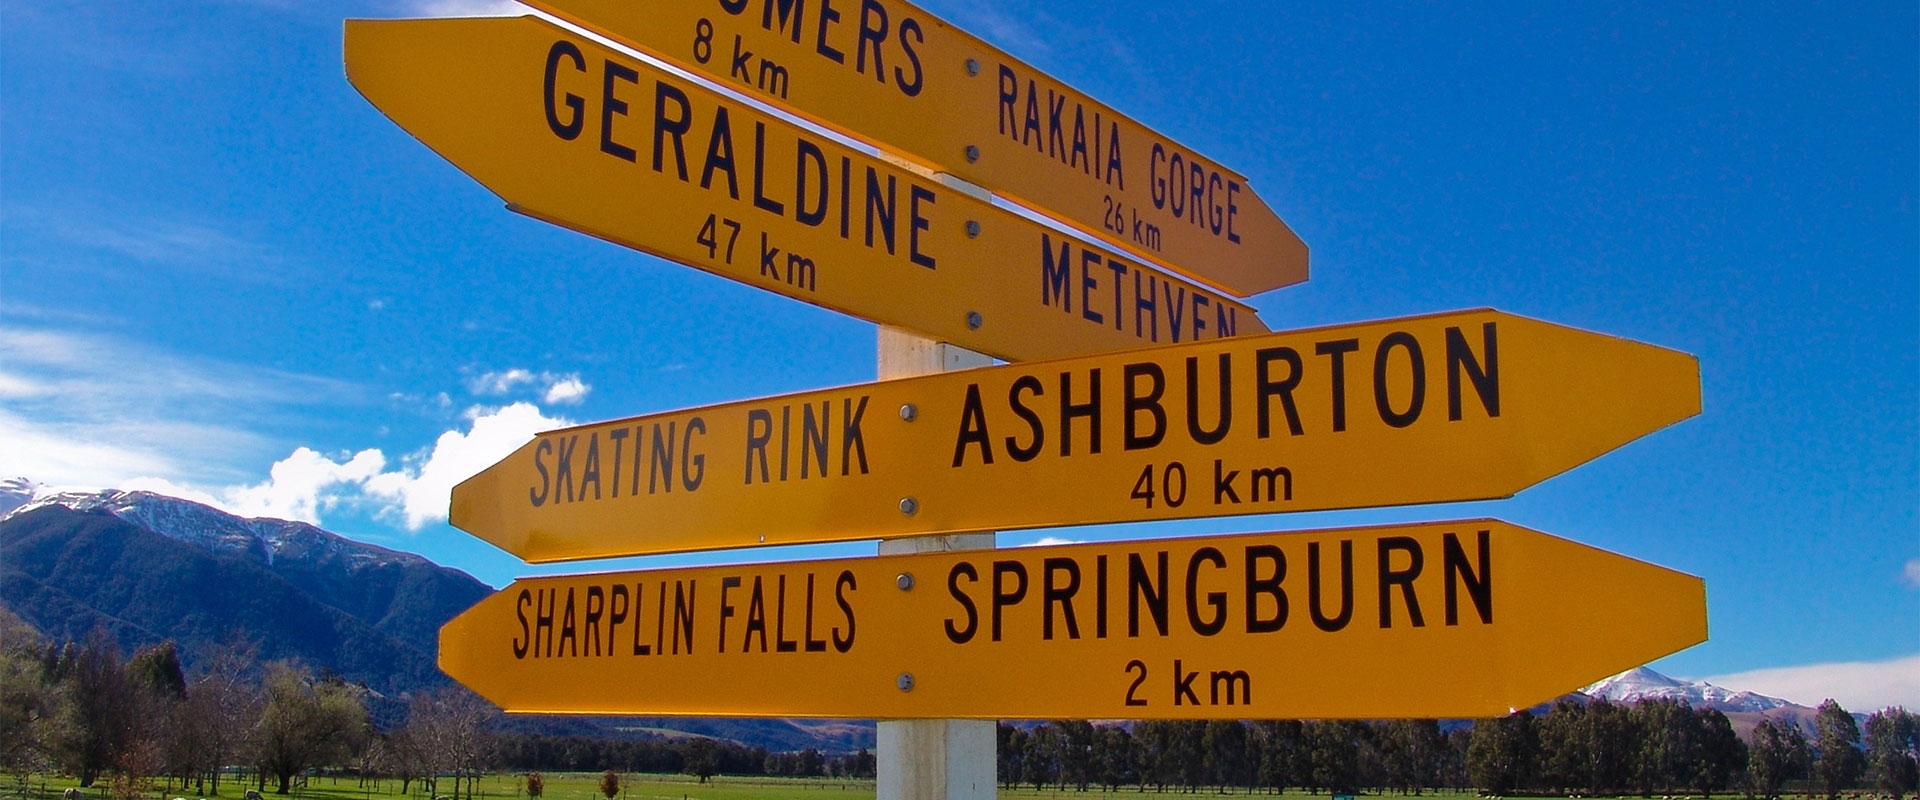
{"points": [[580, 135], [1463, 406], [887, 72], [1459, 619]]}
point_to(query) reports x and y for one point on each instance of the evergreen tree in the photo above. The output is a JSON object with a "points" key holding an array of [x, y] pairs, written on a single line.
{"points": [[1564, 760], [1114, 757], [1893, 739], [1720, 753], [1412, 752], [1501, 756], [1837, 738], [1279, 743], [1668, 744], [1223, 750], [1778, 753], [1042, 764], [1075, 752], [1011, 751], [1333, 749]]}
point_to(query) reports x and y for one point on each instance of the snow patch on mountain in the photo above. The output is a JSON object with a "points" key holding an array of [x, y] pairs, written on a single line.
{"points": [[16, 492], [262, 539], [1641, 683]]}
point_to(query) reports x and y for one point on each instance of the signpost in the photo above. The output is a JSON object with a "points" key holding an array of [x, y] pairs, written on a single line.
{"points": [[1467, 405], [1163, 399], [1455, 619], [577, 134], [888, 72]]}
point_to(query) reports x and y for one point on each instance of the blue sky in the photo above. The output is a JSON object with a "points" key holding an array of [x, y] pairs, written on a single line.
{"points": [[224, 274]]}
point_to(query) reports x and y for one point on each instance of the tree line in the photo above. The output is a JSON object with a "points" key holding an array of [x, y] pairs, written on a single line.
{"points": [[1595, 748], [131, 722]]}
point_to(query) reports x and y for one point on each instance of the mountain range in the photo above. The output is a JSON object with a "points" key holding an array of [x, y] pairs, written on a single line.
{"points": [[147, 568]]}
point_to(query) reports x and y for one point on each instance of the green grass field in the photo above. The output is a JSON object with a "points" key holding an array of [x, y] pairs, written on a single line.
{"points": [[586, 786]]}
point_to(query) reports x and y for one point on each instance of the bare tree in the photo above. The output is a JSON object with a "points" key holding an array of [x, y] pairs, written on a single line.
{"points": [[450, 729], [306, 723]]}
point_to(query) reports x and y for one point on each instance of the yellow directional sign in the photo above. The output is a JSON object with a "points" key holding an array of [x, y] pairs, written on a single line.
{"points": [[887, 72], [580, 135], [1457, 619], [1462, 406]]}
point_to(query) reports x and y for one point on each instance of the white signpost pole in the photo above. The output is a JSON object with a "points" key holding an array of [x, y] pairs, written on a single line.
{"points": [[932, 759]]}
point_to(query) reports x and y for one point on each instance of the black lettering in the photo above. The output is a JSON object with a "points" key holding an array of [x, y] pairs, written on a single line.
{"points": [[720, 155], [759, 432], [841, 586], [1140, 586], [569, 635], [1133, 402], [570, 129], [1069, 410], [1399, 419], [610, 106], [1220, 428], [540, 451], [873, 35], [962, 635], [1217, 600], [1320, 618], [1266, 387], [852, 440], [1486, 379], [693, 468], [1051, 593], [973, 429], [1336, 353], [1479, 584], [809, 154], [1403, 578], [525, 640], [812, 645], [726, 608], [1030, 384], [664, 126], [1002, 596], [1269, 586]]}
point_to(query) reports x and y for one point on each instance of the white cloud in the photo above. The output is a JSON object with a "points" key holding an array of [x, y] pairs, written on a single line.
{"points": [[297, 486], [499, 383], [469, 8], [1912, 573], [1862, 686], [306, 483], [1049, 541], [560, 389], [569, 390], [420, 494]]}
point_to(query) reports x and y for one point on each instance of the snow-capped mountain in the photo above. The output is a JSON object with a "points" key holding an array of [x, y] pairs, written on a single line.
{"points": [[14, 493], [1641, 683], [148, 567], [259, 538]]}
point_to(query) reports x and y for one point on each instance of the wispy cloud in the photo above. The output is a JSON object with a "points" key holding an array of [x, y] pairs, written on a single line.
{"points": [[559, 389], [1856, 685], [90, 409], [1912, 574], [466, 8], [1049, 541], [180, 243]]}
